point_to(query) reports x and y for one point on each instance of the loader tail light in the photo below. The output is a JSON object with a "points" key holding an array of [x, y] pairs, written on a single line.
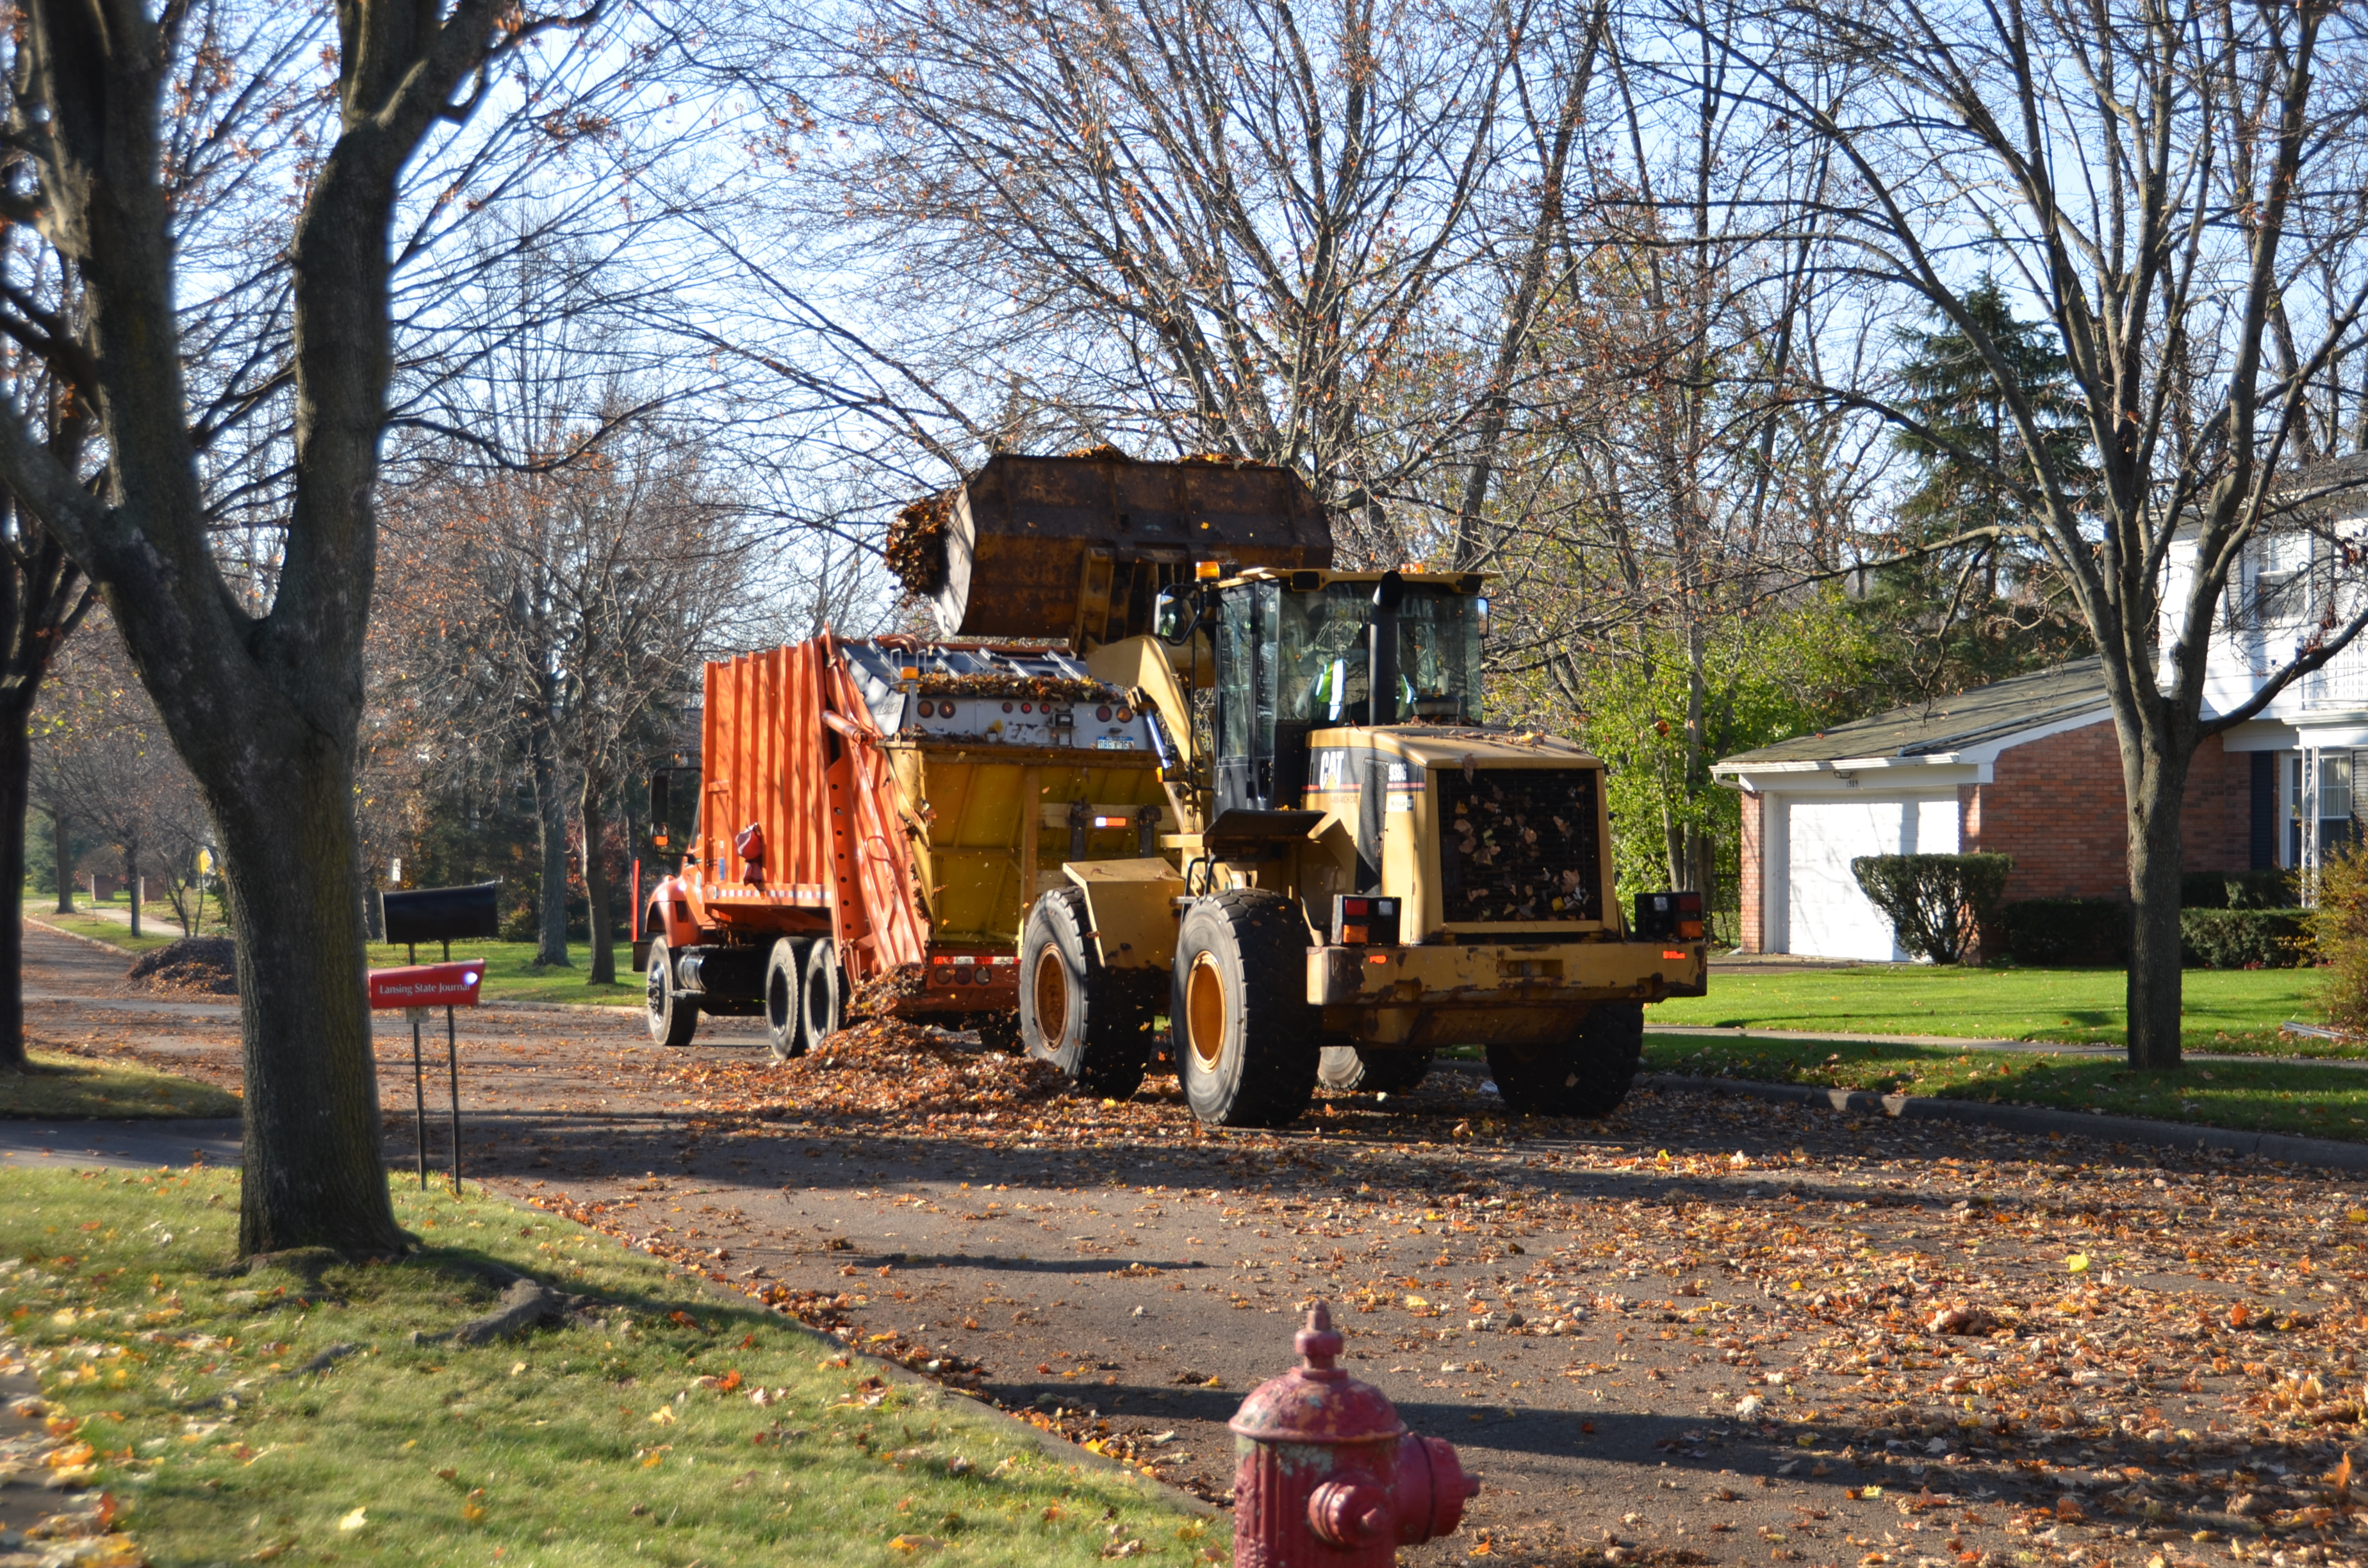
{"points": [[1361, 920], [1669, 917]]}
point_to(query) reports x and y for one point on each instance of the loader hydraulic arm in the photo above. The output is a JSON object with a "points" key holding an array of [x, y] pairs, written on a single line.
{"points": [[1139, 666]]}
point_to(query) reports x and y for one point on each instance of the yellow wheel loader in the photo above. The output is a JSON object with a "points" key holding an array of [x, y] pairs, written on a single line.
{"points": [[1364, 871]]}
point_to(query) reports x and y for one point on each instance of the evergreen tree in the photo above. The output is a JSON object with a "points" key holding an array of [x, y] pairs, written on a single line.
{"points": [[1963, 614]]}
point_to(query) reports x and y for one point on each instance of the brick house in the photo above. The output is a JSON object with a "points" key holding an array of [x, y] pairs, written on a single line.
{"points": [[2027, 767], [2031, 768]]}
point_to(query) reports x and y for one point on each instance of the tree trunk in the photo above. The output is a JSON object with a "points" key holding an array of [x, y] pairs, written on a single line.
{"points": [[595, 885], [61, 850], [2156, 795], [551, 839], [16, 798], [315, 1171], [132, 881]]}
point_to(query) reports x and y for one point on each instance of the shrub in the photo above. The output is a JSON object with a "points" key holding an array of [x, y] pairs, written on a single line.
{"points": [[2063, 931], [1937, 904], [2272, 889], [2337, 928], [2240, 938]]}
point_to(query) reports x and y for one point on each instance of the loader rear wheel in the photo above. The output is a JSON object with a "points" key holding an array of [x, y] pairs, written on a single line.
{"points": [[1246, 1041], [1587, 1073], [785, 978], [822, 994], [1091, 1022], [1356, 1068], [673, 1015]]}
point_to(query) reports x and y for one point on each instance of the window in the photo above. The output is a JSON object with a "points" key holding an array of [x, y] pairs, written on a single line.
{"points": [[2334, 785]]}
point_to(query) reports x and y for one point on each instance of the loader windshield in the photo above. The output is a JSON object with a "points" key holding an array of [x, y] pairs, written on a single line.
{"points": [[1324, 652]]}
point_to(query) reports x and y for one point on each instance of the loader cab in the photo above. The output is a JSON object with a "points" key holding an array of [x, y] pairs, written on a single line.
{"points": [[1300, 651]]}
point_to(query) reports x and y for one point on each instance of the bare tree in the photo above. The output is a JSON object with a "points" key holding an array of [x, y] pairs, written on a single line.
{"points": [[559, 608], [102, 758], [2181, 190], [259, 680], [1223, 225]]}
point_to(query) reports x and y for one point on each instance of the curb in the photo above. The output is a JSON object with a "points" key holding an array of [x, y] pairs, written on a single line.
{"points": [[2278, 1146]]}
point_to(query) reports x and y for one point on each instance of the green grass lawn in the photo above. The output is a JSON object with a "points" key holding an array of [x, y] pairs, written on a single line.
{"points": [[221, 1433], [2270, 1096], [66, 1087], [2225, 1009]]}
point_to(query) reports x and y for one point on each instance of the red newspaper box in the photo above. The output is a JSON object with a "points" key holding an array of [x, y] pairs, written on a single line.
{"points": [[427, 985]]}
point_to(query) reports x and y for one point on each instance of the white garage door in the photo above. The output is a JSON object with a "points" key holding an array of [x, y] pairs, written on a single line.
{"points": [[1826, 914]]}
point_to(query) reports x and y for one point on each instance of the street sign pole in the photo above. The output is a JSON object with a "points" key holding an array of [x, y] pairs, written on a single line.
{"points": [[418, 1097]]}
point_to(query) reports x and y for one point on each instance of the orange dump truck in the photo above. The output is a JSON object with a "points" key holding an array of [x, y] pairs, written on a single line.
{"points": [[880, 813]]}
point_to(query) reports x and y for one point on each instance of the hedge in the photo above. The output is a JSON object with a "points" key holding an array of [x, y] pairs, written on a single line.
{"points": [[2272, 888], [2240, 938], [1937, 903], [2051, 931]]}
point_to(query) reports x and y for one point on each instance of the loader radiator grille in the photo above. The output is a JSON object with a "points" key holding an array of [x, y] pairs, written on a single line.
{"points": [[1521, 845]]}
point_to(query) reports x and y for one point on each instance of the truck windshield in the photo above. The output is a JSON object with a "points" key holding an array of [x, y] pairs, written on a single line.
{"points": [[1323, 652]]}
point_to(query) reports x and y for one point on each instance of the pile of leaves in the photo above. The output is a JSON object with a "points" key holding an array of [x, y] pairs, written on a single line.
{"points": [[882, 993], [207, 964], [880, 1066], [916, 543]]}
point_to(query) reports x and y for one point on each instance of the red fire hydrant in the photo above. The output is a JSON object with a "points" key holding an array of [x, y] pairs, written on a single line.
{"points": [[1328, 1474]]}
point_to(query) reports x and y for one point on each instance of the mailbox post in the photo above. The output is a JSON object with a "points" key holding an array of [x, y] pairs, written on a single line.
{"points": [[435, 914]]}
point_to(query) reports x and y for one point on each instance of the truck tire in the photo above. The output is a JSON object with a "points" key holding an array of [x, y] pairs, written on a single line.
{"points": [[785, 980], [822, 997], [1585, 1075], [1088, 1021], [673, 1015], [1246, 1041], [1349, 1068]]}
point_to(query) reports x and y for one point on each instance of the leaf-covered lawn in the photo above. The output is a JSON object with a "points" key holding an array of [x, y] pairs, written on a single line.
{"points": [[286, 1413], [2225, 1009]]}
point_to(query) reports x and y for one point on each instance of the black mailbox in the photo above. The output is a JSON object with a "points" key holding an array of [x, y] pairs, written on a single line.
{"points": [[442, 914]]}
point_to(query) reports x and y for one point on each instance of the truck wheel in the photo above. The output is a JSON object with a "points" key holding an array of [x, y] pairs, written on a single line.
{"points": [[822, 1000], [1587, 1074], [785, 977], [1348, 1067], [673, 1015], [1090, 1023], [1246, 1041]]}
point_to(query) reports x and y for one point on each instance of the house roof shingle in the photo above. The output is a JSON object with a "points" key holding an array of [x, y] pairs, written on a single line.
{"points": [[1984, 713]]}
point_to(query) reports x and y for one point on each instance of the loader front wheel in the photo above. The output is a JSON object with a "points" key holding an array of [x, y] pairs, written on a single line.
{"points": [[785, 977], [1356, 1069], [1246, 1041], [1091, 1022], [822, 998], [673, 1015], [1586, 1074]]}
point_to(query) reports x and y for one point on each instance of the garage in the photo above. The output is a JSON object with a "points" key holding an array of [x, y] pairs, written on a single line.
{"points": [[1826, 914]]}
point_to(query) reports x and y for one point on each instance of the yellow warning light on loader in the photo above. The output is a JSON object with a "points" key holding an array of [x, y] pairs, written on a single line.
{"points": [[1208, 571]]}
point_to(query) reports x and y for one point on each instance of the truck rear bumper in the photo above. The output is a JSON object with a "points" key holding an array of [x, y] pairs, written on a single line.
{"points": [[1526, 974]]}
